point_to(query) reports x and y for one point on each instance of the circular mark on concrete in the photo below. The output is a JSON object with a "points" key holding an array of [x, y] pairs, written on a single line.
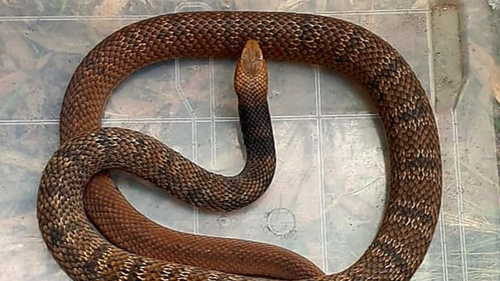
{"points": [[281, 221], [223, 221]]}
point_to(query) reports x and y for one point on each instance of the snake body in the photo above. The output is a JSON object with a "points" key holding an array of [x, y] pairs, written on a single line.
{"points": [[113, 215], [414, 194]]}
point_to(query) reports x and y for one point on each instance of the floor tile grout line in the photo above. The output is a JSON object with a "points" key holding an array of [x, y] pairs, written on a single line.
{"points": [[213, 145], [458, 180], [194, 145], [324, 240], [444, 251], [187, 6], [29, 122], [430, 58], [373, 12], [213, 122], [145, 16], [198, 120]]}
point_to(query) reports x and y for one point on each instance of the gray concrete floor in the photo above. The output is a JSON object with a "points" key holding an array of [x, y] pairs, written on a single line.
{"points": [[328, 194]]}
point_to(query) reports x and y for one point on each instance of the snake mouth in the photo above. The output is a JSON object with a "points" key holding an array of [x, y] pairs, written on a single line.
{"points": [[252, 58]]}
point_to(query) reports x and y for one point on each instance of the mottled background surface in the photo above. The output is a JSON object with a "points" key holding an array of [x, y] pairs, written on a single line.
{"points": [[329, 191]]}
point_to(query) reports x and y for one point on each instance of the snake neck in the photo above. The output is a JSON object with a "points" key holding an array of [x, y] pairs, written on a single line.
{"points": [[257, 132]]}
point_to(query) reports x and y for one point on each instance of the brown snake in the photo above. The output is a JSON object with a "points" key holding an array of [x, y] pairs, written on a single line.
{"points": [[414, 194], [110, 211]]}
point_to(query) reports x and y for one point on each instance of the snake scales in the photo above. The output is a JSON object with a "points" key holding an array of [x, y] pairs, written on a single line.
{"points": [[415, 180]]}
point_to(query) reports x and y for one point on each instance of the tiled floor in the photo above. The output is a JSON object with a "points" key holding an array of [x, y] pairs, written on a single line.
{"points": [[328, 194]]}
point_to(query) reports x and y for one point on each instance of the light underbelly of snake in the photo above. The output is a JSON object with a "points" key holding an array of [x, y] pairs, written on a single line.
{"points": [[414, 192]]}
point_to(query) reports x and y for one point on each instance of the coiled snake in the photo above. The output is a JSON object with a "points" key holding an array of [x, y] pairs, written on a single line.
{"points": [[414, 194]]}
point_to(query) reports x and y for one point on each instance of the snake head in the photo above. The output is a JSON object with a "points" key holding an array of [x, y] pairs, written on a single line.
{"points": [[250, 79], [252, 60]]}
